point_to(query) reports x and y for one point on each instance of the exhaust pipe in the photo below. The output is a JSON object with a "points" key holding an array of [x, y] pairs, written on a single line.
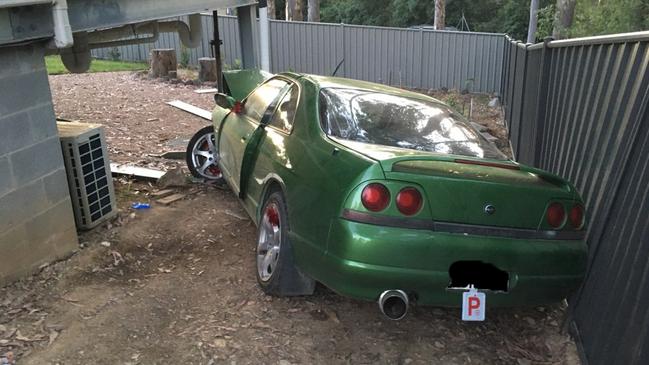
{"points": [[394, 304]]}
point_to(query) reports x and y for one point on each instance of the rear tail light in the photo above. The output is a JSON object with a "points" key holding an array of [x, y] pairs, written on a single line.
{"points": [[556, 215], [375, 197], [409, 201], [576, 216]]}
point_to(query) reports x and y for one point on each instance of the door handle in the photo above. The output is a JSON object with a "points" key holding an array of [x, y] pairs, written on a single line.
{"points": [[243, 139]]}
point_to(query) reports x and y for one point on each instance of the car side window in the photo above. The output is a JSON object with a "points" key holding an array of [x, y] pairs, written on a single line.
{"points": [[257, 102], [285, 112]]}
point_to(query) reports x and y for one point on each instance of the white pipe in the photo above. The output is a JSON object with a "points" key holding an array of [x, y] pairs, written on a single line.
{"points": [[264, 39], [62, 29], [189, 36]]}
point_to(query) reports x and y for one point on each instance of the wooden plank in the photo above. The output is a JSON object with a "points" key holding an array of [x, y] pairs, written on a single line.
{"points": [[205, 114], [489, 137], [206, 91], [479, 127], [162, 193], [135, 171], [170, 199], [171, 155]]}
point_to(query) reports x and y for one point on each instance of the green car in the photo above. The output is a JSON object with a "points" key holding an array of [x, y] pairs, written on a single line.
{"points": [[385, 194]]}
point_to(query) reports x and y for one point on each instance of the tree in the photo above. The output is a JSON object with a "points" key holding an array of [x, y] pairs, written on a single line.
{"points": [[314, 11], [531, 29], [272, 11], [564, 17], [298, 11], [290, 10], [440, 14]]}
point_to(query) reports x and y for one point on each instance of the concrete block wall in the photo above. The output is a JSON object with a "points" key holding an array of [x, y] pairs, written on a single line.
{"points": [[36, 219]]}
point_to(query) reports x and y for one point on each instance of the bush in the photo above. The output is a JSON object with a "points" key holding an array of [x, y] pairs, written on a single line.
{"points": [[184, 57], [114, 54]]}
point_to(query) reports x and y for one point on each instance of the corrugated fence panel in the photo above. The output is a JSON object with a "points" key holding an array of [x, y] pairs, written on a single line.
{"points": [[403, 57], [587, 119], [304, 47]]}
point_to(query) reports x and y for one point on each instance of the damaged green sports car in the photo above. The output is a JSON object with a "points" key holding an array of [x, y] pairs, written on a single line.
{"points": [[387, 195]]}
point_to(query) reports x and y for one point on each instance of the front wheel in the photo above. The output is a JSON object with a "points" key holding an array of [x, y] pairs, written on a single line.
{"points": [[276, 271], [202, 158]]}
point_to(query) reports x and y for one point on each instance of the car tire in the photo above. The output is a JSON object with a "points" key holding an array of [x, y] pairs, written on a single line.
{"points": [[201, 156], [277, 273]]}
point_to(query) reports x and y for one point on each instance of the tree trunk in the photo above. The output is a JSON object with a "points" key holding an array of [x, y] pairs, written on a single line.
{"points": [[534, 18], [290, 9], [272, 11], [564, 17], [163, 61], [314, 11], [297, 13], [207, 69], [440, 14]]}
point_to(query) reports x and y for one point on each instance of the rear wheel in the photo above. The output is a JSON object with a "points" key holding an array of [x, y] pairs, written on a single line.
{"points": [[276, 271], [202, 158]]}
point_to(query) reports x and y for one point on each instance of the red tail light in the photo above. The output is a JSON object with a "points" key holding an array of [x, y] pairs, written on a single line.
{"points": [[576, 216], [555, 215], [375, 197], [409, 201]]}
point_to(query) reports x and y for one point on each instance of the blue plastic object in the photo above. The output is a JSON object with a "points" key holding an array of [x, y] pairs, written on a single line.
{"points": [[139, 205]]}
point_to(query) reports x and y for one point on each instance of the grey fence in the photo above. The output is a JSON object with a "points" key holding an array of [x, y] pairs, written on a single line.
{"points": [[579, 108], [412, 58]]}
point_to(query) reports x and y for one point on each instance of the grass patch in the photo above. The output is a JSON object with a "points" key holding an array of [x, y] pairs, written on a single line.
{"points": [[55, 66]]}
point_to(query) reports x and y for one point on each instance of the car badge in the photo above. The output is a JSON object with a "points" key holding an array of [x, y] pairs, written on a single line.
{"points": [[489, 209]]}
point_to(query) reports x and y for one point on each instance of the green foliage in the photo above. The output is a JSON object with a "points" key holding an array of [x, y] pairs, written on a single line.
{"points": [[114, 54], [499, 16], [184, 56], [452, 101], [595, 17], [366, 12], [545, 24], [236, 65]]}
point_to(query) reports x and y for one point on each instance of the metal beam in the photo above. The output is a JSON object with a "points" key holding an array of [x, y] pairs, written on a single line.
{"points": [[23, 23], [96, 14]]}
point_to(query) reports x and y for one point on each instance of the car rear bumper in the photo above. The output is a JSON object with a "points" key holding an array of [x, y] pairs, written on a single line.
{"points": [[363, 260]]}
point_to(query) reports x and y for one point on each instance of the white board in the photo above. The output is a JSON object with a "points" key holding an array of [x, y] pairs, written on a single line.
{"points": [[205, 114]]}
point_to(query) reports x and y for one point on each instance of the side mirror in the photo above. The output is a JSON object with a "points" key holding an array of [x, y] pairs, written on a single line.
{"points": [[224, 101]]}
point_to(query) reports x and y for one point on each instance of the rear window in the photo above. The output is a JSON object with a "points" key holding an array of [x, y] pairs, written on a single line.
{"points": [[384, 119]]}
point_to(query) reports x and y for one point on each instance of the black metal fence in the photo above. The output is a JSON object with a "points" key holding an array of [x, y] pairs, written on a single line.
{"points": [[579, 108]]}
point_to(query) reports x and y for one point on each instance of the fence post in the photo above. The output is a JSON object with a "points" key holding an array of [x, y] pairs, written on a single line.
{"points": [[541, 101], [522, 106], [421, 60], [342, 33]]}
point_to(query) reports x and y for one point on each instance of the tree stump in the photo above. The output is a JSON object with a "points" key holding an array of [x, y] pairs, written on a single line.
{"points": [[163, 61], [207, 69]]}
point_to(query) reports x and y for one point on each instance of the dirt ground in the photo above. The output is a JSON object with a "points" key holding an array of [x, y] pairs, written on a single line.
{"points": [[176, 284]]}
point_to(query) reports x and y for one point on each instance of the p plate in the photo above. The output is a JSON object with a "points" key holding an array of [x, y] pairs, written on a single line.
{"points": [[473, 305]]}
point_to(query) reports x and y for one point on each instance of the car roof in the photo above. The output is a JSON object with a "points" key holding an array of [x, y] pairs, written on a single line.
{"points": [[341, 82]]}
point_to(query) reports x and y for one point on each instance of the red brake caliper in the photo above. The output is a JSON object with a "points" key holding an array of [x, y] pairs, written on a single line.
{"points": [[273, 216], [213, 169]]}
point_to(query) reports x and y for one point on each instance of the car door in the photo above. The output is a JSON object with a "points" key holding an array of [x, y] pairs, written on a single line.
{"points": [[238, 128], [271, 157]]}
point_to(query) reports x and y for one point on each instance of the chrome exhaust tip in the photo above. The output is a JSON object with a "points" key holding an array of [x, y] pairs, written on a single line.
{"points": [[394, 304]]}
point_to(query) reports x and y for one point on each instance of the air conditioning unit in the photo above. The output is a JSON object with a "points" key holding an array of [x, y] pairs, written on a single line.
{"points": [[88, 170]]}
